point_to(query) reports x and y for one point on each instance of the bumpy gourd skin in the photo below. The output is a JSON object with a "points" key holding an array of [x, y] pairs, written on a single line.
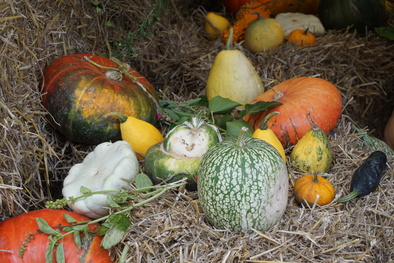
{"points": [[312, 152]]}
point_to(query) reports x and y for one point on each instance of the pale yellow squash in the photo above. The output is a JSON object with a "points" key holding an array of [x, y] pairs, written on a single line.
{"points": [[233, 76]]}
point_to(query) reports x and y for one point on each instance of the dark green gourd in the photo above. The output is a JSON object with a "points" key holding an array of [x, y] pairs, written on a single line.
{"points": [[367, 177]]}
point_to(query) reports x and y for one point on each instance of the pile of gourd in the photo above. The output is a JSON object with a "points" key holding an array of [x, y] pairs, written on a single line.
{"points": [[242, 181]]}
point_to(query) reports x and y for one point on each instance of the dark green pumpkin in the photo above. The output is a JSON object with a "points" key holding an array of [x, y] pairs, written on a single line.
{"points": [[78, 93], [356, 14]]}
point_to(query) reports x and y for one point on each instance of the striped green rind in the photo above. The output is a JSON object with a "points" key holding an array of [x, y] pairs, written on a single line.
{"points": [[243, 188], [162, 166]]}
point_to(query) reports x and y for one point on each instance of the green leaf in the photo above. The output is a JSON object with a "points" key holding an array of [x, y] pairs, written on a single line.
{"points": [[111, 202], [259, 106], [112, 237], [222, 105], [173, 116], [142, 181], [51, 247], [77, 239], [60, 254], [84, 190], [234, 127], [387, 32], [44, 227], [222, 121], [102, 230], [120, 221], [70, 219]]}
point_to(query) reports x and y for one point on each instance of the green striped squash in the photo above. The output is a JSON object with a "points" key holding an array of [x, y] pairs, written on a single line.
{"points": [[243, 184], [179, 155]]}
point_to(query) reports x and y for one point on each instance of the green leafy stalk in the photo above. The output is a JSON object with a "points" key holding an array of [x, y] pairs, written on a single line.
{"points": [[113, 226]]}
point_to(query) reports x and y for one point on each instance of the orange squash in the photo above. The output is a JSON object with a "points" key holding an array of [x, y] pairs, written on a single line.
{"points": [[310, 186], [300, 96], [302, 38]]}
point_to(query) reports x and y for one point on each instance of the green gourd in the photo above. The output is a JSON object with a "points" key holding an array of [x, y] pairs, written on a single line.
{"points": [[243, 184], [356, 14]]}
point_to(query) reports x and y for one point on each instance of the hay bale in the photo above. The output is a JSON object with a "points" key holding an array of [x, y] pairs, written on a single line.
{"points": [[176, 59]]}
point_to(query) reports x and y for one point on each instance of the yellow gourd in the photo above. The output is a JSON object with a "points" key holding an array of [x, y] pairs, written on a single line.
{"points": [[214, 25], [233, 76], [141, 135], [266, 134], [312, 153], [263, 34]]}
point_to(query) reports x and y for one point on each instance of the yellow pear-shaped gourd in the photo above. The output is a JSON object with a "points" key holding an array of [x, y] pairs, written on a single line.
{"points": [[233, 76], [266, 134], [141, 135], [214, 25], [312, 153]]}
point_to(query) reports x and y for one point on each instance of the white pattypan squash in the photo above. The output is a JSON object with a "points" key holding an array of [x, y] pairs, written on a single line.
{"points": [[293, 21], [111, 166]]}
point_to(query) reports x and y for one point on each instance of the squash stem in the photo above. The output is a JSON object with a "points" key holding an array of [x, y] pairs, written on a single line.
{"points": [[349, 197], [229, 40], [315, 178], [122, 118], [241, 137], [263, 125]]}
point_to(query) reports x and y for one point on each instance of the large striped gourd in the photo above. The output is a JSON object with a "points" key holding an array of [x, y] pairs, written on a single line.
{"points": [[243, 184]]}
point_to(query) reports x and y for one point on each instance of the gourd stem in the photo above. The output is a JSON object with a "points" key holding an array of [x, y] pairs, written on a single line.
{"points": [[122, 118], [257, 13], [349, 197], [229, 39], [312, 122], [315, 178], [263, 125], [241, 137]]}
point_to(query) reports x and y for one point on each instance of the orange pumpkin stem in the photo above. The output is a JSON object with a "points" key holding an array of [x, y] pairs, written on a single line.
{"points": [[278, 95]]}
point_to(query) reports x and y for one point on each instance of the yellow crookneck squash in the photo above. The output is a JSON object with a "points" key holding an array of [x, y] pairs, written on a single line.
{"points": [[266, 134], [233, 76], [141, 135]]}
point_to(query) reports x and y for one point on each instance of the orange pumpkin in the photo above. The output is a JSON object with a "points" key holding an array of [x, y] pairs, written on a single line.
{"points": [[309, 187], [302, 38], [284, 6], [300, 97], [22, 241]]}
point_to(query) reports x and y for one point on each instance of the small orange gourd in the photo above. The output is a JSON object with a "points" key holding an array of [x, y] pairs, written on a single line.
{"points": [[310, 187], [302, 38]]}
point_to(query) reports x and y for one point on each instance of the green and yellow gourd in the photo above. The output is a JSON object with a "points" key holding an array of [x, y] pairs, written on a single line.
{"points": [[179, 155], [243, 184], [312, 153]]}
